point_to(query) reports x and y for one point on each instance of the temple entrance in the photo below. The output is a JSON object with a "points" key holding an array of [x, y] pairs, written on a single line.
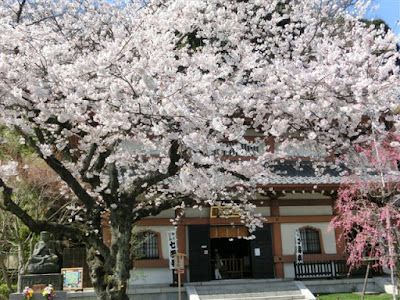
{"points": [[234, 255], [238, 257]]}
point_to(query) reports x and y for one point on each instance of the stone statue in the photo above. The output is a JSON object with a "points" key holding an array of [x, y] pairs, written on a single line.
{"points": [[43, 259]]}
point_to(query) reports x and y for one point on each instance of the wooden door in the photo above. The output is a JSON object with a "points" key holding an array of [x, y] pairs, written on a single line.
{"points": [[262, 256], [199, 253]]}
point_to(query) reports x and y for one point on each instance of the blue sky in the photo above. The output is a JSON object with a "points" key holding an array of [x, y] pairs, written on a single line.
{"points": [[389, 10]]}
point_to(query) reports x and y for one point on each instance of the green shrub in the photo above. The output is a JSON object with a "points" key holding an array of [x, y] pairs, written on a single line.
{"points": [[5, 292], [354, 296]]}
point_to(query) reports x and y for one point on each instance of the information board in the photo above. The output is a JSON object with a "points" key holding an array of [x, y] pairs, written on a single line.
{"points": [[72, 278]]}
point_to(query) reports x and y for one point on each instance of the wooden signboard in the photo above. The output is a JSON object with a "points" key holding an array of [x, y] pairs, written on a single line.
{"points": [[179, 261], [179, 266], [223, 212], [72, 278]]}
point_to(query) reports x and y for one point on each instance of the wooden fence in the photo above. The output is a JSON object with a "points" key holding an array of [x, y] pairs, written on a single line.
{"points": [[330, 269]]}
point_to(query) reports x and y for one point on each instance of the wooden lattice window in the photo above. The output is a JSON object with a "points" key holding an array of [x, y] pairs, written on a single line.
{"points": [[147, 245], [311, 240], [76, 257]]}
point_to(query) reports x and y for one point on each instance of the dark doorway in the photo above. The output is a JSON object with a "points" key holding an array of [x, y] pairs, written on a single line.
{"points": [[240, 257], [235, 256], [199, 253], [262, 258]]}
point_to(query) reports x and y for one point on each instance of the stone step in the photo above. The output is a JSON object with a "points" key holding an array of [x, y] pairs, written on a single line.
{"points": [[280, 285], [247, 297], [232, 283], [255, 290], [231, 294], [224, 289]]}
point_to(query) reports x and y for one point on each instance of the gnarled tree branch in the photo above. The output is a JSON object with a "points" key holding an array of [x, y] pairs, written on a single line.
{"points": [[155, 177], [59, 168]]}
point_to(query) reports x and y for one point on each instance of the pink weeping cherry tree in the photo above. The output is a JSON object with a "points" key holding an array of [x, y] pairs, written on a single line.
{"points": [[368, 205]]}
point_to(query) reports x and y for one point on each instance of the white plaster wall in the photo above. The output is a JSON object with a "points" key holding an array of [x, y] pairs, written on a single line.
{"points": [[319, 210], [261, 197], [197, 213], [328, 237], [168, 213], [150, 276], [288, 269], [299, 195], [205, 212], [264, 211], [163, 233]]}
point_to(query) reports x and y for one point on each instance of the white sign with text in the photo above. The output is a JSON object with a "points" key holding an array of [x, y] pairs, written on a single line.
{"points": [[172, 247]]}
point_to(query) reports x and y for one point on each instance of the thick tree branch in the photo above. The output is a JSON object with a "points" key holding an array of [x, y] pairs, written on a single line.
{"points": [[35, 226], [236, 174], [11, 206], [59, 168], [223, 170], [19, 13], [156, 177], [113, 174], [58, 230], [154, 210], [101, 160], [87, 160], [68, 178]]}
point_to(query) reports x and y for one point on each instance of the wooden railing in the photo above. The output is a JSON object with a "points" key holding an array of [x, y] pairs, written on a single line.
{"points": [[329, 269], [317, 269], [235, 268]]}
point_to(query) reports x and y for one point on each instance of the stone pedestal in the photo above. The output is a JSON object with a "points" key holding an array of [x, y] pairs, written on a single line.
{"points": [[55, 279], [60, 295]]}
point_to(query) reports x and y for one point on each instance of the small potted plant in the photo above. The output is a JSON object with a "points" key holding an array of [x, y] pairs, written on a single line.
{"points": [[48, 292], [27, 293]]}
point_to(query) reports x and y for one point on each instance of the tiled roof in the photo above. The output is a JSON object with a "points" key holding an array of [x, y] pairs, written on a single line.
{"points": [[305, 172]]}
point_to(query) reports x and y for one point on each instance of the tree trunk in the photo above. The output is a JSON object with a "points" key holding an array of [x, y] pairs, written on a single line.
{"points": [[110, 275], [365, 280], [32, 244], [394, 284], [123, 260], [97, 273], [397, 289], [5, 273], [21, 261], [21, 258]]}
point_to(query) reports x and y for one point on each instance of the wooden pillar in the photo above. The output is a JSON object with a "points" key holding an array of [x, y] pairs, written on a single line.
{"points": [[277, 238], [181, 239], [340, 245], [181, 235], [339, 238]]}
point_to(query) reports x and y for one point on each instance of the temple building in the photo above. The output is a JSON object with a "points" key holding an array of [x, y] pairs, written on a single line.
{"points": [[295, 199]]}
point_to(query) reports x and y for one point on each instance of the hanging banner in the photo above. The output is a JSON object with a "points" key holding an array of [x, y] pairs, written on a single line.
{"points": [[299, 247], [172, 248]]}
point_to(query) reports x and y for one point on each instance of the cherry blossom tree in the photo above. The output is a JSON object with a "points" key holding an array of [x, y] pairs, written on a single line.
{"points": [[135, 106], [369, 205]]}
